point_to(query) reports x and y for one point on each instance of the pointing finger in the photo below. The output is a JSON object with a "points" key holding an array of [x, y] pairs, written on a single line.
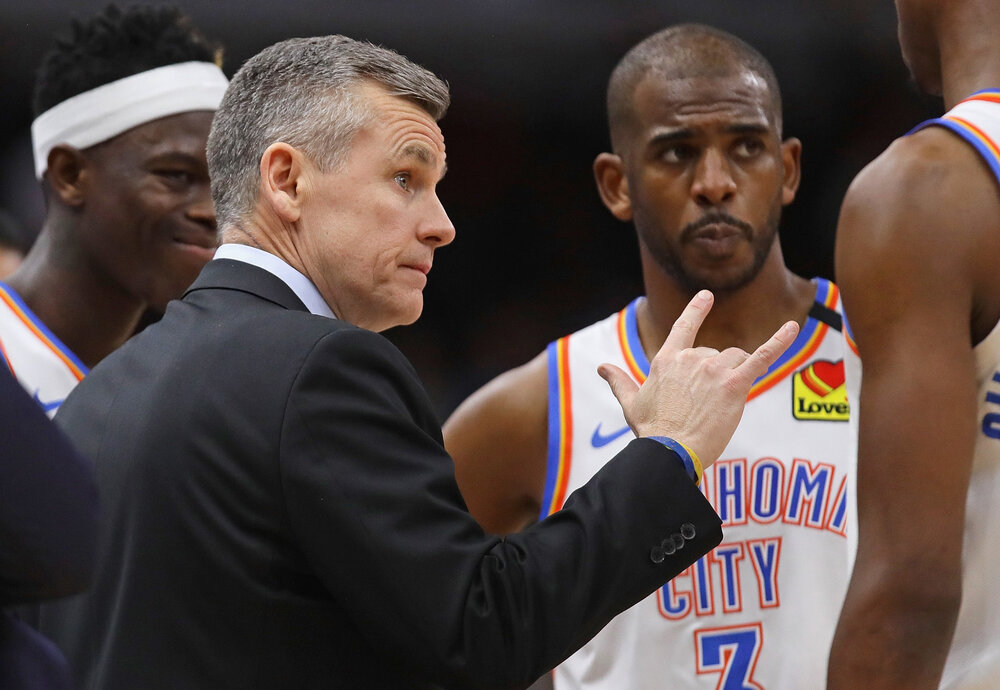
{"points": [[768, 353], [685, 328]]}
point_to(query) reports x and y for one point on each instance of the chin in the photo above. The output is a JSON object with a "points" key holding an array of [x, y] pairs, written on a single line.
{"points": [[410, 318], [400, 318], [720, 283]]}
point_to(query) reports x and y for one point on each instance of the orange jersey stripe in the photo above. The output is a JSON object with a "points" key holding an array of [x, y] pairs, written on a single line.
{"points": [[565, 426], [633, 366], [6, 359], [850, 342], [26, 320], [978, 133], [765, 382], [992, 96], [771, 378]]}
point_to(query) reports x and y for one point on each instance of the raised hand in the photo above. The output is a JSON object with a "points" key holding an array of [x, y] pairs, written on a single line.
{"points": [[694, 395]]}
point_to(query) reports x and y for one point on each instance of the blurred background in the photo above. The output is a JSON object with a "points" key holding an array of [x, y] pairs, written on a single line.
{"points": [[537, 255]]}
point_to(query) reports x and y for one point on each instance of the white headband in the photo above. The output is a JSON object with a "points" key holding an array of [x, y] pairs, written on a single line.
{"points": [[110, 109]]}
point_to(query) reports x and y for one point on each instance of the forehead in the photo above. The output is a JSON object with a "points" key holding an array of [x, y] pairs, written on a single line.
{"points": [[184, 133], [742, 97], [405, 127]]}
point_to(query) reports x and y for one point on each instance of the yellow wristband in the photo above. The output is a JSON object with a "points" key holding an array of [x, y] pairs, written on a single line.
{"points": [[692, 464], [696, 461]]}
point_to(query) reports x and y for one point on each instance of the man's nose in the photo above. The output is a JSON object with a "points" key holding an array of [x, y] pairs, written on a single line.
{"points": [[202, 210], [437, 229], [713, 180]]}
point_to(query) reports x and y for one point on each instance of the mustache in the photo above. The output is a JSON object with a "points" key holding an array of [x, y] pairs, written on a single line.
{"points": [[715, 218]]}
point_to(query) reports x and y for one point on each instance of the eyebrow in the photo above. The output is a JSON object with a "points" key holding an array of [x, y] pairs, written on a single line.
{"points": [[422, 154], [176, 157], [748, 128], [685, 133]]}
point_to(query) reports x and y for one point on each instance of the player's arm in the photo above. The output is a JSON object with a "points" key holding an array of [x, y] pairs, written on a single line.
{"points": [[498, 438], [906, 252]]}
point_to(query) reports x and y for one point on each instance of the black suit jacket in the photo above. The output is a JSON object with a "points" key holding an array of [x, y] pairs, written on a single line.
{"points": [[282, 514]]}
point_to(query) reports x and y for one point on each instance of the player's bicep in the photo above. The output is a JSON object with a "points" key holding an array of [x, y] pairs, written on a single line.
{"points": [[908, 303], [498, 440], [916, 434]]}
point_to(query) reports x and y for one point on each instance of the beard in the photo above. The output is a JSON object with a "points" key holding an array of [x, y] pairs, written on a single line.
{"points": [[692, 275]]}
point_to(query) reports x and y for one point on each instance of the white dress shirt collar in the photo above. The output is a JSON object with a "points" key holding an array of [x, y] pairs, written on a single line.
{"points": [[299, 284]]}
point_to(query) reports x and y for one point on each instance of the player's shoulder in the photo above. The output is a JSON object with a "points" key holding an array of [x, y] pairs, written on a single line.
{"points": [[520, 388], [920, 186], [519, 396], [531, 378], [921, 169], [909, 166]]}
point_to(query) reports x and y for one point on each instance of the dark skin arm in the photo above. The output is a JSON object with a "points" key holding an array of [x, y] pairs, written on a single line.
{"points": [[916, 254], [498, 439]]}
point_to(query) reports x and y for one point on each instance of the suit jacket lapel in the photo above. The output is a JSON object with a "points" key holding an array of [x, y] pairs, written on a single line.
{"points": [[228, 274]]}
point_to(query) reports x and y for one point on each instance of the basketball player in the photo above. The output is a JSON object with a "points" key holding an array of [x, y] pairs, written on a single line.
{"points": [[918, 251], [123, 112], [700, 167]]}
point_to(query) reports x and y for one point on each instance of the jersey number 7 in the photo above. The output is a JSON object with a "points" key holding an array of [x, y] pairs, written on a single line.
{"points": [[732, 652]]}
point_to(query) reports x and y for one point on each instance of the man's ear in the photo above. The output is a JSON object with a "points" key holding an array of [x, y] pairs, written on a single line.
{"points": [[612, 184], [791, 159], [67, 174], [282, 179]]}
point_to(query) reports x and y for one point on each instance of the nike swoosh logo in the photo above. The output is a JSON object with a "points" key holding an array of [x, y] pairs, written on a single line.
{"points": [[48, 406], [599, 439]]}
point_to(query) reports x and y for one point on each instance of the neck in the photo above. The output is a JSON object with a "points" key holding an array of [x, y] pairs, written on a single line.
{"points": [[258, 232], [76, 300], [744, 318], [970, 54]]}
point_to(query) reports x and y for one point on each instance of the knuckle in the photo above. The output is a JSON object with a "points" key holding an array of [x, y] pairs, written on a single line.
{"points": [[683, 325], [683, 356], [764, 353]]}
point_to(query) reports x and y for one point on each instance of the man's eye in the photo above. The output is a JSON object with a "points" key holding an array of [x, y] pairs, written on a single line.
{"points": [[403, 180], [175, 175], [677, 153], [749, 147]]}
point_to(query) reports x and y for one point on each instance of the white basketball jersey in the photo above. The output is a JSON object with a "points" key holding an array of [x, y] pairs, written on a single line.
{"points": [[759, 611], [35, 356], [974, 658]]}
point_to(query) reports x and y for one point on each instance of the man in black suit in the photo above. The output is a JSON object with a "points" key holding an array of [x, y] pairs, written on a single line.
{"points": [[281, 510]]}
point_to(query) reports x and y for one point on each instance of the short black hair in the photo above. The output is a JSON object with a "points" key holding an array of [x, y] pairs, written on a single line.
{"points": [[683, 50], [117, 43]]}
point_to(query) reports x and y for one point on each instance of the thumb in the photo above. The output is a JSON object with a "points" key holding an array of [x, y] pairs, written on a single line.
{"points": [[622, 385]]}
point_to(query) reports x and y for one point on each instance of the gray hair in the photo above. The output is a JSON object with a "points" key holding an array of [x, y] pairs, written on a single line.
{"points": [[304, 92]]}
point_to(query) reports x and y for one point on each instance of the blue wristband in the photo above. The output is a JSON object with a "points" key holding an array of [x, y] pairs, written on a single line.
{"points": [[692, 464]]}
